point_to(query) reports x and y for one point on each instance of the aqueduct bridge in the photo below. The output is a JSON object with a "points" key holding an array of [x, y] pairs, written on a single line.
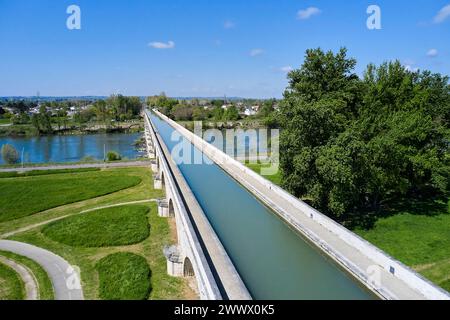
{"points": [[243, 237]]}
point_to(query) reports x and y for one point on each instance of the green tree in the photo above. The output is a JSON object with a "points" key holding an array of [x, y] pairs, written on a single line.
{"points": [[231, 114], [352, 144], [267, 108], [218, 113], [9, 154]]}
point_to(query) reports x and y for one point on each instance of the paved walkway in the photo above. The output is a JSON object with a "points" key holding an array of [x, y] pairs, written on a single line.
{"points": [[66, 282], [31, 287], [79, 166]]}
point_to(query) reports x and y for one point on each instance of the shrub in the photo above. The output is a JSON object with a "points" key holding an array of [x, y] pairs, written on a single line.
{"points": [[9, 154], [113, 156], [124, 276]]}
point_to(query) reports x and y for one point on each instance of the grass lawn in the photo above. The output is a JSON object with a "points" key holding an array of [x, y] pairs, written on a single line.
{"points": [[28, 195], [15, 174], [419, 236], [124, 276], [44, 283], [163, 286], [5, 121], [257, 167], [116, 226], [11, 286]]}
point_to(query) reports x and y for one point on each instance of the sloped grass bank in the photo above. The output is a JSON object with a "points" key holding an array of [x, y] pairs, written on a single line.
{"points": [[117, 226], [42, 278], [11, 286], [123, 276]]}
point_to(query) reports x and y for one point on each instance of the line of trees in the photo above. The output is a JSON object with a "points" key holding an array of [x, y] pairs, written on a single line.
{"points": [[59, 115], [351, 144]]}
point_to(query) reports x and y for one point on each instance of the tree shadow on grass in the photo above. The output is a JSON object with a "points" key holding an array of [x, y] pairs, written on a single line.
{"points": [[428, 203]]}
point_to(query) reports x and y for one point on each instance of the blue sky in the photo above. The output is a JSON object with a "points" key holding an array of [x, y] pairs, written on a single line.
{"points": [[204, 47]]}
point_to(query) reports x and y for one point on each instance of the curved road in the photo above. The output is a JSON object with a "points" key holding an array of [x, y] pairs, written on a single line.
{"points": [[65, 280]]}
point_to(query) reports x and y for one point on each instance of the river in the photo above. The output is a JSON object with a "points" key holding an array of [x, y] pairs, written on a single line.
{"points": [[73, 148]]}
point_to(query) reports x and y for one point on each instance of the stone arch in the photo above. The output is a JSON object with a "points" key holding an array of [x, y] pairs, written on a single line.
{"points": [[171, 209], [188, 269]]}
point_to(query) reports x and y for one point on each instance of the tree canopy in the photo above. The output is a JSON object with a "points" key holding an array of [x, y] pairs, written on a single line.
{"points": [[351, 144]]}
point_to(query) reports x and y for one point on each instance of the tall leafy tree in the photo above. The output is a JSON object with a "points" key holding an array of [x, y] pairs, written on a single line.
{"points": [[352, 144]]}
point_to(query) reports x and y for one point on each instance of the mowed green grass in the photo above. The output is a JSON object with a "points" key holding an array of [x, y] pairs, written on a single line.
{"points": [[16, 174], [257, 167], [117, 226], [24, 196], [11, 286], [124, 276], [43, 280], [421, 241]]}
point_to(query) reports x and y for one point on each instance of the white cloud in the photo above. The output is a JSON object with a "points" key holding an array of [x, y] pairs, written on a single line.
{"points": [[308, 13], [411, 68], [286, 69], [229, 24], [432, 53], [256, 52], [442, 15], [162, 45]]}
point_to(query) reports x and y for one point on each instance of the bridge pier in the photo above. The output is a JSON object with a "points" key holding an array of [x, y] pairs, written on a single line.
{"points": [[154, 166], [175, 261], [157, 183], [163, 208]]}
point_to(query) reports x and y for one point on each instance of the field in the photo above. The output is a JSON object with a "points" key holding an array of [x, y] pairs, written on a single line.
{"points": [[116, 226], [28, 195], [86, 221], [124, 276], [419, 236], [257, 167]]}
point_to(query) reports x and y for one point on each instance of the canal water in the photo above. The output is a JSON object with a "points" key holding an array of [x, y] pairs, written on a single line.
{"points": [[72, 148], [273, 260]]}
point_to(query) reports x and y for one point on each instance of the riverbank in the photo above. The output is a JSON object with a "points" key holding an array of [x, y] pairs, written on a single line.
{"points": [[79, 165], [239, 124], [28, 130], [75, 148]]}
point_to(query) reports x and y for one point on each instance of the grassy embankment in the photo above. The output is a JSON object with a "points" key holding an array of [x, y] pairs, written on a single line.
{"points": [[11, 286], [416, 232], [87, 258], [55, 164], [124, 275], [43, 281]]}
